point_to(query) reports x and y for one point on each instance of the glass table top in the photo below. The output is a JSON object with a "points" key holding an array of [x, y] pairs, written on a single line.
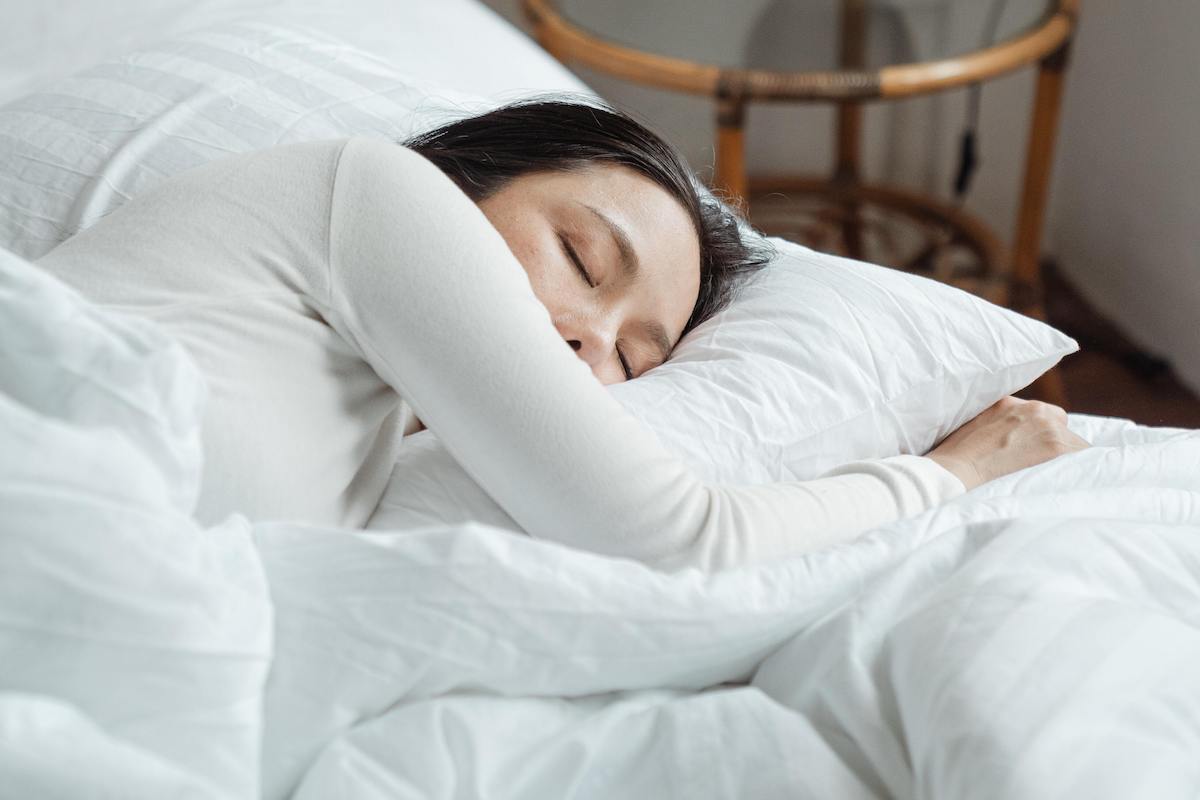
{"points": [[804, 35]]}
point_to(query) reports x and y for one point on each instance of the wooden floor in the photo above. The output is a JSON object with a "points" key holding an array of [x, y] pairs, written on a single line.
{"points": [[1109, 375]]}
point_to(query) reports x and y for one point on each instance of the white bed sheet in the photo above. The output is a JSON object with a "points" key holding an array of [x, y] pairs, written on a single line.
{"points": [[1036, 637]]}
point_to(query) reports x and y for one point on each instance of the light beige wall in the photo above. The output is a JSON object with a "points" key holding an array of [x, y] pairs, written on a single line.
{"points": [[1125, 201], [1126, 198]]}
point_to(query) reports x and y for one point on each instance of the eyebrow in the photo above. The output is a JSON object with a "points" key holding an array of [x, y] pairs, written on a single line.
{"points": [[654, 331], [629, 257]]}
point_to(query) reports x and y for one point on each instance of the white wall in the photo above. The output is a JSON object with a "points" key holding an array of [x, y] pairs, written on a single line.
{"points": [[1124, 220]]}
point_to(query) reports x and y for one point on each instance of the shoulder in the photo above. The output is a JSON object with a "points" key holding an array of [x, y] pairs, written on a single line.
{"points": [[389, 160], [383, 153], [371, 167]]}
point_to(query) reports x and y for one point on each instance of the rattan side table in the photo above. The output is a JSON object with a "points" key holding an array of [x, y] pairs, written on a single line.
{"points": [[1008, 276]]}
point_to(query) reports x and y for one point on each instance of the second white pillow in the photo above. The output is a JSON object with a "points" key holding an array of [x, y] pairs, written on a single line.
{"points": [[823, 360]]}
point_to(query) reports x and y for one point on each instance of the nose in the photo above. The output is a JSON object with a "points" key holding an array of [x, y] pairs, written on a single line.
{"points": [[592, 339]]}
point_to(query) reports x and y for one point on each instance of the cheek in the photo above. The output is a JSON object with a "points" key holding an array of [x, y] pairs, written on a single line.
{"points": [[533, 242], [534, 257], [515, 237], [529, 249], [537, 255]]}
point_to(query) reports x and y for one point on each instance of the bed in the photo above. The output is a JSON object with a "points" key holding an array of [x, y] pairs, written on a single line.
{"points": [[1037, 637]]}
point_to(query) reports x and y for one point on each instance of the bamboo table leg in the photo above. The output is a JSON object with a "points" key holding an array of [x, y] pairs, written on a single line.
{"points": [[1028, 296], [846, 177], [849, 126], [731, 148]]}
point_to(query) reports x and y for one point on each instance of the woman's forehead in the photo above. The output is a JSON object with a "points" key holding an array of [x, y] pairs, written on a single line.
{"points": [[653, 217]]}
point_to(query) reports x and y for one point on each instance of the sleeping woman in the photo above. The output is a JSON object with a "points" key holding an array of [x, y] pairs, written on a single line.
{"points": [[483, 280]]}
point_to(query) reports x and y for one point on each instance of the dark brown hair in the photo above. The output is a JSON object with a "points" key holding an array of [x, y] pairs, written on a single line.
{"points": [[482, 153]]}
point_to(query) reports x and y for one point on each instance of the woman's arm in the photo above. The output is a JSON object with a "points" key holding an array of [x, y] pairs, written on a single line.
{"points": [[430, 293]]}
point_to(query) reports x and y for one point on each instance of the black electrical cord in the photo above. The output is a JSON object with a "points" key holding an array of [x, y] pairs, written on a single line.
{"points": [[968, 151]]}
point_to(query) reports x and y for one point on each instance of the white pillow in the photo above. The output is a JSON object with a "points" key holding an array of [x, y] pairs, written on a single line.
{"points": [[87, 143], [43, 41], [820, 361], [823, 360]]}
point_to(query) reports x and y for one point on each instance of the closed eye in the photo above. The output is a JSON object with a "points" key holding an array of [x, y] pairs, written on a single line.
{"points": [[570, 252], [624, 365]]}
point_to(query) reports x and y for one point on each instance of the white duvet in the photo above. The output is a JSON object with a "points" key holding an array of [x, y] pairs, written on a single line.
{"points": [[1038, 637]]}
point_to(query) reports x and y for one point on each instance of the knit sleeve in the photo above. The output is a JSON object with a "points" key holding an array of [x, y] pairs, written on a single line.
{"points": [[430, 294]]}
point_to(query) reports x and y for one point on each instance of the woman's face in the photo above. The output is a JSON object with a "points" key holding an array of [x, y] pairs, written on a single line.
{"points": [[612, 256]]}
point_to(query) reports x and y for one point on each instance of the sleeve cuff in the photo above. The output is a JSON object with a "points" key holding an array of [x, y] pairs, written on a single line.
{"points": [[915, 482]]}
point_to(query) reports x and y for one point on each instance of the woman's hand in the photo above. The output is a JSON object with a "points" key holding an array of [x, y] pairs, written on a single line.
{"points": [[1008, 436]]}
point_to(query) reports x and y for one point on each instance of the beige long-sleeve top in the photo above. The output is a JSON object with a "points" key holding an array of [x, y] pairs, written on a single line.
{"points": [[335, 292]]}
